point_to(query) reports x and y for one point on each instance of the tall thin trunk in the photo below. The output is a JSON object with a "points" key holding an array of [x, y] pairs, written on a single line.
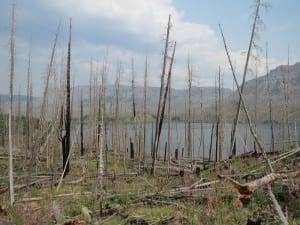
{"points": [[286, 81], [81, 125], [65, 139], [189, 136], [161, 116], [220, 117], [217, 121], [169, 129], [11, 82], [90, 102], [145, 107], [211, 142], [275, 203], [117, 111], [255, 102], [28, 114], [104, 124], [236, 120], [48, 74], [270, 102], [18, 120], [159, 108], [202, 135], [135, 120]]}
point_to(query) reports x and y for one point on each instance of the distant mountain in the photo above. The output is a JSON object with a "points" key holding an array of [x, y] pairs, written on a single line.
{"points": [[289, 74], [179, 97], [204, 95], [4, 101]]}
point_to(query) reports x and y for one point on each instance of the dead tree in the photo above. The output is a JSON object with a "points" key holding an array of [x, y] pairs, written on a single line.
{"points": [[256, 18], [220, 117], [11, 82], [160, 117], [145, 106], [189, 134], [81, 125], [169, 127], [28, 118], [275, 203], [103, 104], [162, 84], [270, 102], [217, 121], [65, 138], [117, 115], [287, 99]]}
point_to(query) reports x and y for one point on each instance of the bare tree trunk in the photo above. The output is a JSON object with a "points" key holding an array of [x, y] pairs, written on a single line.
{"points": [[211, 142], [275, 203], [159, 108], [244, 77], [255, 103], [161, 116], [117, 120], [18, 120], [189, 136], [202, 135], [65, 139], [145, 107], [91, 116], [286, 90], [135, 119], [28, 118], [11, 82], [81, 125], [49, 72], [220, 117], [217, 121], [169, 129], [270, 101]]}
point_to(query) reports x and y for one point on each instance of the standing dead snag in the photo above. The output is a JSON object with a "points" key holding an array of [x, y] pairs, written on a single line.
{"points": [[189, 134], [162, 84], [162, 112], [11, 82], [236, 119], [81, 125], [65, 138], [270, 101]]}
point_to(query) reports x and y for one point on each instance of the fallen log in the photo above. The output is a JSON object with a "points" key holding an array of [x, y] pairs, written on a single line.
{"points": [[246, 190]]}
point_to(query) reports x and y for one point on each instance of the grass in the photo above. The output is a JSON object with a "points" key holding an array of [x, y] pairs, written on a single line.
{"points": [[143, 199]]}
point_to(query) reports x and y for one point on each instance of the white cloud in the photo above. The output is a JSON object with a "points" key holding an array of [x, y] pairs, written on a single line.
{"points": [[144, 20]]}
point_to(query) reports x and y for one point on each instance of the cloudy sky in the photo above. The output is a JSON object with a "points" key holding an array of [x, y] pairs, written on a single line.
{"points": [[131, 29]]}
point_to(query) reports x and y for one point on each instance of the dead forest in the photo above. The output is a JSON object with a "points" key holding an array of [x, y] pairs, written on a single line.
{"points": [[87, 163]]}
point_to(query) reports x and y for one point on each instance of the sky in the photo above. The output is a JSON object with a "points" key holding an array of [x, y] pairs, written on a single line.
{"points": [[126, 30]]}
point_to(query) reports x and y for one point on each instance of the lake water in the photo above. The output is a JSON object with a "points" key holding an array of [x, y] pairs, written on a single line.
{"points": [[245, 141]]}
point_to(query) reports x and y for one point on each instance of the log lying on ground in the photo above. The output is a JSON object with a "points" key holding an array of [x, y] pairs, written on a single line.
{"points": [[246, 190], [194, 187]]}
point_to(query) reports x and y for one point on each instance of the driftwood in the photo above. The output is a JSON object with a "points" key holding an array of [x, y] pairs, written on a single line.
{"points": [[246, 190]]}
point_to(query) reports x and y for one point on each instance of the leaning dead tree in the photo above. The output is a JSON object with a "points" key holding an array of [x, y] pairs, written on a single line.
{"points": [[64, 137], [11, 83], [236, 119], [162, 84], [162, 105], [274, 201]]}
